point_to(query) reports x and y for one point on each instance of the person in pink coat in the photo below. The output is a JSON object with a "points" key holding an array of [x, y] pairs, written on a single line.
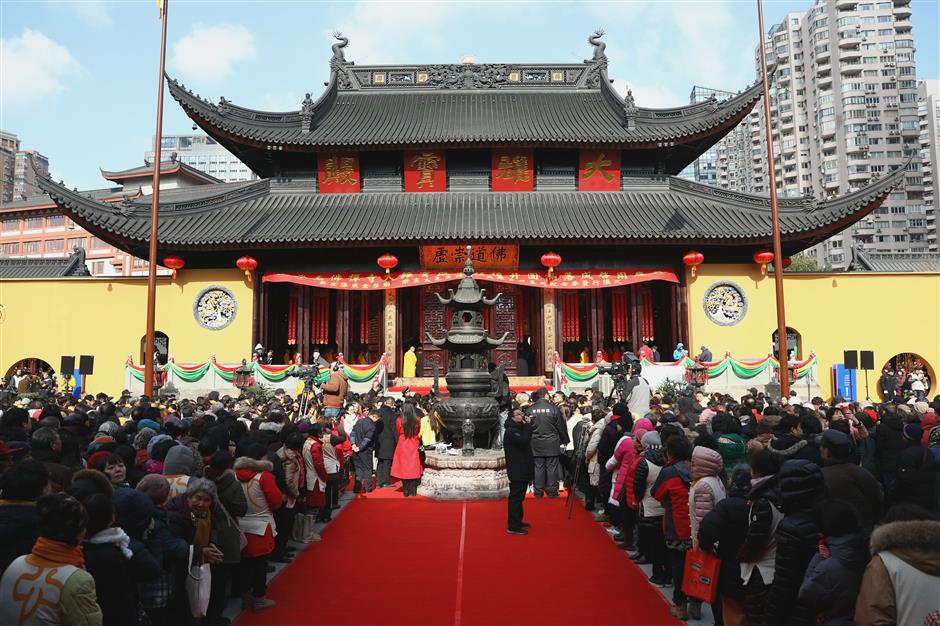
{"points": [[707, 490], [406, 464], [619, 466]]}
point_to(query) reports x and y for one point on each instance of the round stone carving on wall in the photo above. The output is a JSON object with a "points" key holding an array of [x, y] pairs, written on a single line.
{"points": [[725, 303], [215, 307]]}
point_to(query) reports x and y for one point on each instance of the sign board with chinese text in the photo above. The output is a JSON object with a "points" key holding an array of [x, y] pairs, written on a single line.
{"points": [[425, 170], [599, 170], [513, 170], [501, 256], [338, 172]]}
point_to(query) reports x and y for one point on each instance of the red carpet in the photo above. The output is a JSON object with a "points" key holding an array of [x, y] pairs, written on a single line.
{"points": [[388, 560]]}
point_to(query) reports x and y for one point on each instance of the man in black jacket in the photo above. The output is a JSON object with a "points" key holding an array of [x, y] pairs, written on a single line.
{"points": [[846, 481], [363, 444], [517, 442], [549, 433], [387, 440]]}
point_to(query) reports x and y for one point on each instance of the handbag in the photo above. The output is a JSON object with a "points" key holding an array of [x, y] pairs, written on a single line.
{"points": [[198, 587], [700, 578], [233, 523]]}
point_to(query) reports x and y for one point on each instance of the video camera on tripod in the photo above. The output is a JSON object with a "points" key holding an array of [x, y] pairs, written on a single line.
{"points": [[621, 373]]}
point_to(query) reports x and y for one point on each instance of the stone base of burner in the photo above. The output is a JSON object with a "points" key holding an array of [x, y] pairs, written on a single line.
{"points": [[457, 477]]}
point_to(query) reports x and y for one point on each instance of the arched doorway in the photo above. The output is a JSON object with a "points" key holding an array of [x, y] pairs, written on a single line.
{"points": [[908, 363], [161, 345], [29, 372], [794, 343]]}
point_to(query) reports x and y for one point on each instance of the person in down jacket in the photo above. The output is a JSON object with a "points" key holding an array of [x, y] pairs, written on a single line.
{"points": [[645, 472], [834, 576], [672, 491], [618, 466], [707, 490]]}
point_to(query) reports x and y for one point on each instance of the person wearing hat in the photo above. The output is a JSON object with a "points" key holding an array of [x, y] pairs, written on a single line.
{"points": [[679, 352], [916, 472], [705, 356], [643, 475], [846, 481], [178, 466]]}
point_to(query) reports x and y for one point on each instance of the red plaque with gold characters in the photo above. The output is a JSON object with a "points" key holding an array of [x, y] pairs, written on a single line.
{"points": [[338, 172], [425, 170], [599, 170], [501, 256], [513, 170]]}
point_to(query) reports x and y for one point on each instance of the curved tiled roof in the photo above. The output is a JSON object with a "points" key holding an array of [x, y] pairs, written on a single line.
{"points": [[473, 116], [269, 214]]}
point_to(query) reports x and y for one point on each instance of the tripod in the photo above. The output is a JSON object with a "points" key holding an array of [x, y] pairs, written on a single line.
{"points": [[305, 399]]}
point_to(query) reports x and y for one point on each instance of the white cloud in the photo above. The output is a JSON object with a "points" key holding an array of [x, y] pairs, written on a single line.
{"points": [[209, 52], [33, 67], [651, 96], [95, 12]]}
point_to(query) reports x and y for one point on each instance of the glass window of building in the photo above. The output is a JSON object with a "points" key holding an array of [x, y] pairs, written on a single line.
{"points": [[32, 247], [55, 245]]}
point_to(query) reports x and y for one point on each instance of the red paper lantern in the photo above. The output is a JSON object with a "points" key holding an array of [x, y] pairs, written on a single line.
{"points": [[174, 263], [693, 259], [248, 264], [551, 260], [787, 262], [763, 257], [387, 262]]}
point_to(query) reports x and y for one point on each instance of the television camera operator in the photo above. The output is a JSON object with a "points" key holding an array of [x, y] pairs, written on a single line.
{"points": [[631, 387]]}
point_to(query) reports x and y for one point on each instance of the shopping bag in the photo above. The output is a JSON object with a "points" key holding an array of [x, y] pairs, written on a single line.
{"points": [[700, 578], [198, 587]]}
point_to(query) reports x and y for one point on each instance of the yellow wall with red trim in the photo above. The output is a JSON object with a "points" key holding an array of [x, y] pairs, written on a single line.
{"points": [[888, 313], [106, 317]]}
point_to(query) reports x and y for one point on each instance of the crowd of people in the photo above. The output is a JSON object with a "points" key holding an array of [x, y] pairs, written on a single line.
{"points": [[818, 513]]}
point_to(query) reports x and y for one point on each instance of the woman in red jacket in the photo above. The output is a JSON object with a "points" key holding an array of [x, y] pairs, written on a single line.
{"points": [[253, 471], [406, 464]]}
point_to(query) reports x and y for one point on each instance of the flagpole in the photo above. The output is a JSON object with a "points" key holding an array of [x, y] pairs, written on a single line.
{"points": [[149, 357], [774, 218]]}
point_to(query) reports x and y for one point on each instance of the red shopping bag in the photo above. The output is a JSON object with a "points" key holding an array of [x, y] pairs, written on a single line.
{"points": [[700, 578]]}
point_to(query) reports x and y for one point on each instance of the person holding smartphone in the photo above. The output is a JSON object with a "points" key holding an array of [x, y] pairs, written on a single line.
{"points": [[520, 467]]}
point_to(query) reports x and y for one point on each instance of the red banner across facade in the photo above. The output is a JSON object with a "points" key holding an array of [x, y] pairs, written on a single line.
{"points": [[574, 279]]}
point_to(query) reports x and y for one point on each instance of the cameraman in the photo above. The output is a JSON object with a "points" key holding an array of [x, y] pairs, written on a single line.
{"points": [[637, 392], [334, 391]]}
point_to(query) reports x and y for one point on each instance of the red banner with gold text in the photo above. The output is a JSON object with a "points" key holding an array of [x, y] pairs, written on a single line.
{"points": [[513, 170], [599, 170], [338, 172], [575, 279], [425, 170]]}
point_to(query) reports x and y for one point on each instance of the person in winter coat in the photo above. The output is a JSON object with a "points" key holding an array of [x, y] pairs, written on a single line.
{"points": [[902, 581], [916, 475], [706, 490], [549, 434], [789, 443], [889, 442], [116, 565], [731, 444], [933, 447], [386, 441], [315, 473], [848, 482], [672, 491], [599, 422], [646, 470], [54, 570], [171, 552], [20, 487], [362, 438], [263, 498], [230, 505], [618, 466], [759, 550], [334, 391], [330, 438], [520, 468], [406, 464], [726, 525], [801, 489], [834, 575], [291, 455], [178, 466]]}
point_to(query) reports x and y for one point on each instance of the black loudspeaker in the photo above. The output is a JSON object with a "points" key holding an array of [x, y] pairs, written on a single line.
{"points": [[68, 366], [867, 360], [850, 359], [86, 365]]}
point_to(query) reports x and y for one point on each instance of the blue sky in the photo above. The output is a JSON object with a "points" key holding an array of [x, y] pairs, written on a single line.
{"points": [[78, 79]]}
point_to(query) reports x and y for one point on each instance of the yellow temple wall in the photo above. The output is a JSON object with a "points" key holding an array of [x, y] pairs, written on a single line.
{"points": [[106, 317], [889, 313]]}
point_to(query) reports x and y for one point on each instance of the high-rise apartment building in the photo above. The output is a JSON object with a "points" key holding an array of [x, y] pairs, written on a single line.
{"points": [[928, 110], [705, 168], [844, 108], [204, 153], [17, 176]]}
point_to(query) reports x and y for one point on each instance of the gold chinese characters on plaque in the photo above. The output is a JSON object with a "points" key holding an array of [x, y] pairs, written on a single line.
{"points": [[484, 256]]}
